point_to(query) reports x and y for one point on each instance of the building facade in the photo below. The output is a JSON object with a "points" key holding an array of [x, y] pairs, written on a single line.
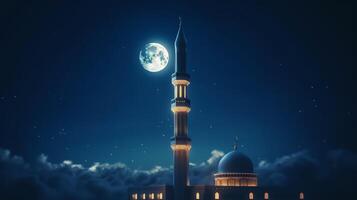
{"points": [[235, 178]]}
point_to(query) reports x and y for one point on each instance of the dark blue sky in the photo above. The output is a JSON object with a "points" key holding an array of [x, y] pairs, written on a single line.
{"points": [[280, 75]]}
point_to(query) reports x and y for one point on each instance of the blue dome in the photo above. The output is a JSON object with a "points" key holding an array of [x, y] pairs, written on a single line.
{"points": [[235, 162]]}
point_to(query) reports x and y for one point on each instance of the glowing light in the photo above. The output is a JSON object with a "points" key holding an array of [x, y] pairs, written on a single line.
{"points": [[177, 147], [151, 196], [266, 195], [180, 82], [251, 195], [197, 196], [159, 196], [236, 179], [216, 195], [180, 86], [301, 195], [180, 109]]}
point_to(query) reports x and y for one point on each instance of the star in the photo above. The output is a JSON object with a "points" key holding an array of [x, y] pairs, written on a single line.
{"points": [[62, 132]]}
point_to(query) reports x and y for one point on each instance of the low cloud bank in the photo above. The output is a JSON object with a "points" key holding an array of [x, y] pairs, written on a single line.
{"points": [[328, 177]]}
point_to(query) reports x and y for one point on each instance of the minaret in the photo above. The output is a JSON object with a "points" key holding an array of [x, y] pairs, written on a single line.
{"points": [[180, 106]]}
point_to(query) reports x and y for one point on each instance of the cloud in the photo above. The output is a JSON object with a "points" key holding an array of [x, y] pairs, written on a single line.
{"points": [[288, 170], [203, 173], [329, 175], [68, 180]]}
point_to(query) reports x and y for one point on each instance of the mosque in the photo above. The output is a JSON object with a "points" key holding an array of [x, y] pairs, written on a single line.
{"points": [[235, 178]]}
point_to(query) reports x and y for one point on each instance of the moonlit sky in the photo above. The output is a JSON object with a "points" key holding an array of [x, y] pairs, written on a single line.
{"points": [[280, 75]]}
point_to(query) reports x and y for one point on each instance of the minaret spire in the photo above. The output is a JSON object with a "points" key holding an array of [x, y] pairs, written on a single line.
{"points": [[180, 38], [180, 106], [180, 51]]}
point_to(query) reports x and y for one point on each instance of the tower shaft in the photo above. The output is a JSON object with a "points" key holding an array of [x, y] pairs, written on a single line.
{"points": [[180, 106]]}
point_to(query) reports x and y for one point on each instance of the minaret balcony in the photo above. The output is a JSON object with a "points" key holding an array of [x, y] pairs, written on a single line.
{"points": [[180, 140], [180, 76], [180, 105], [180, 102]]}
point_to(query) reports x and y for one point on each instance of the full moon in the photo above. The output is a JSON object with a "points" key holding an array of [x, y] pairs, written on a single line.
{"points": [[154, 57]]}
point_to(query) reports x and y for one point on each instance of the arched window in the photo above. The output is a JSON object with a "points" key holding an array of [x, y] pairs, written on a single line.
{"points": [[301, 195], [230, 182], [266, 195], [144, 196], [159, 196], [251, 195], [216, 195], [176, 88], [180, 91], [151, 196], [197, 195], [134, 196]]}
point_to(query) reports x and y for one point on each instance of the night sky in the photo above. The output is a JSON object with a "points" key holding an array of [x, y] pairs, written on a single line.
{"points": [[280, 75]]}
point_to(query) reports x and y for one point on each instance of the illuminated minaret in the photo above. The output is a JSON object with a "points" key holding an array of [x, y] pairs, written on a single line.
{"points": [[180, 106]]}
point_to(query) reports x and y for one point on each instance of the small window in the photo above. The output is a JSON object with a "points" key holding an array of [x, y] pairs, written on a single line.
{"points": [[184, 92], [301, 195], [159, 196], [144, 196], [251, 195], [134, 196], [176, 91], [216, 195], [180, 91], [197, 195], [151, 196], [266, 195]]}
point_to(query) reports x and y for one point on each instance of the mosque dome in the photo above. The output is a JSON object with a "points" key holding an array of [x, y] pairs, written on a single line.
{"points": [[235, 162]]}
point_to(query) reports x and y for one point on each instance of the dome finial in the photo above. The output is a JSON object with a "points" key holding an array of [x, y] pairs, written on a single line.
{"points": [[235, 146]]}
